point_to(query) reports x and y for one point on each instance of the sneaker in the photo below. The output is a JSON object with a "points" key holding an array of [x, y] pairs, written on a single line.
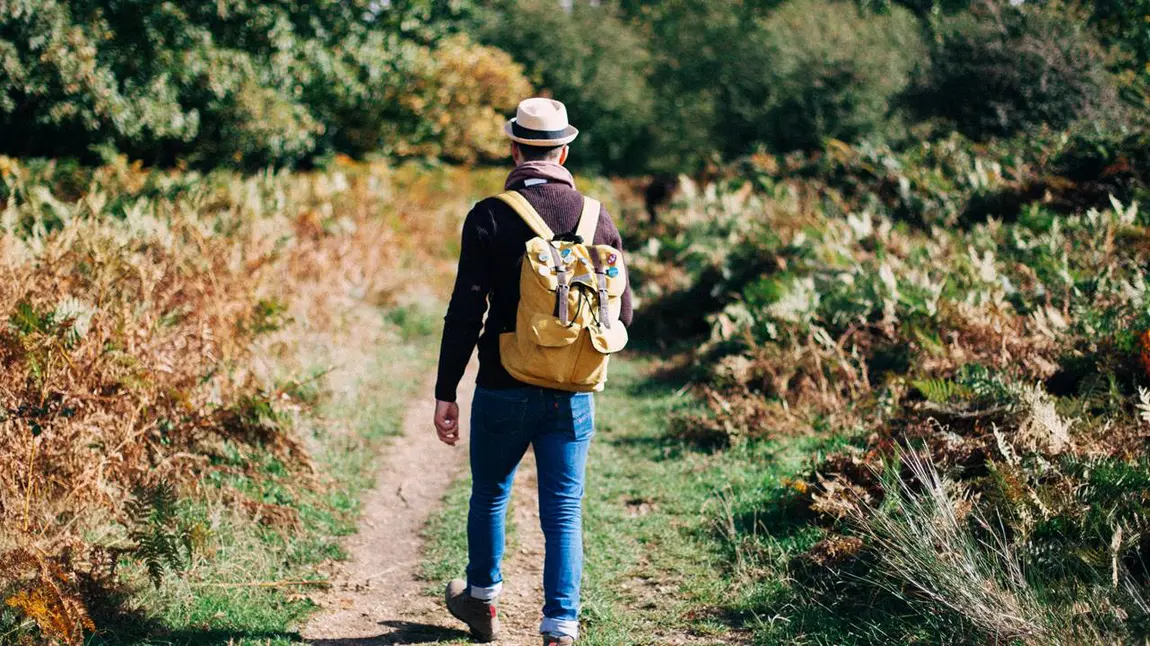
{"points": [[480, 616], [558, 640]]}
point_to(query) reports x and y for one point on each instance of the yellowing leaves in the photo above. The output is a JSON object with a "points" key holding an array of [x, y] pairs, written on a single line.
{"points": [[462, 96], [49, 598]]}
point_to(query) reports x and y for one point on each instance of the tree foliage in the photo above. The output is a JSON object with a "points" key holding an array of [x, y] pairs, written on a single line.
{"points": [[594, 63], [1124, 26], [237, 80], [656, 85], [999, 70], [697, 48], [822, 70]]}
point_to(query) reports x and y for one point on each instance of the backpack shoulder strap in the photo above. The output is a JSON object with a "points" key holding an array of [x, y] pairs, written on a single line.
{"points": [[528, 213], [589, 221]]}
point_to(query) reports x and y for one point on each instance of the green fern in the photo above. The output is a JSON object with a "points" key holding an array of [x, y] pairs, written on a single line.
{"points": [[986, 386], [154, 529], [26, 320], [941, 391], [1100, 390], [1093, 390]]}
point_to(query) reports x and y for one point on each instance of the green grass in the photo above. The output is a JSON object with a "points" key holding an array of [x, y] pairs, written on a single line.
{"points": [[678, 540], [677, 536], [446, 534], [685, 540], [213, 601]]}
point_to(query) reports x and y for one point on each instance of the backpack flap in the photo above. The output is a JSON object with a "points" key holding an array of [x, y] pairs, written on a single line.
{"points": [[608, 340], [540, 263]]}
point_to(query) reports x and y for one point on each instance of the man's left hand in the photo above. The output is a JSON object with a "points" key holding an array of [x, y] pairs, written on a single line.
{"points": [[447, 422]]}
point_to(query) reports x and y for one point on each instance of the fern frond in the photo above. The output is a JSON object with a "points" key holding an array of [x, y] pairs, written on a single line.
{"points": [[1094, 390], [941, 391], [988, 386], [152, 512]]}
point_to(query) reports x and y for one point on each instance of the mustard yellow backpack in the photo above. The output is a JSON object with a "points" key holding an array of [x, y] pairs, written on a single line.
{"points": [[570, 295]]}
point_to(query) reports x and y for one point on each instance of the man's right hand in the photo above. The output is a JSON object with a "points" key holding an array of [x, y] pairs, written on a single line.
{"points": [[447, 422]]}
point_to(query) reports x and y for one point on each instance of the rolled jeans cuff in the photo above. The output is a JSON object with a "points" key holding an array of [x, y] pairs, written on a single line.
{"points": [[485, 594], [568, 627]]}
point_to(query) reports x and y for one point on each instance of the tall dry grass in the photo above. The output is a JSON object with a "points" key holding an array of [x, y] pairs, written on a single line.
{"points": [[930, 554], [149, 320]]}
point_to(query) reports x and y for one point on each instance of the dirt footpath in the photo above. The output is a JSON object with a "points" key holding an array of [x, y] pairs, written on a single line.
{"points": [[378, 597]]}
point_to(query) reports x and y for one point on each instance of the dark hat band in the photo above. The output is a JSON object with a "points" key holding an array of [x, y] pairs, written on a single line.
{"points": [[541, 135]]}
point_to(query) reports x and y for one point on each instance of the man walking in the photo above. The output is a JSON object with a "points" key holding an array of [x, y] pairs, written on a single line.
{"points": [[507, 414]]}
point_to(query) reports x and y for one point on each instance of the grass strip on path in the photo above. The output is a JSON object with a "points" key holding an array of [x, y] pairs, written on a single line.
{"points": [[677, 544], [248, 582]]}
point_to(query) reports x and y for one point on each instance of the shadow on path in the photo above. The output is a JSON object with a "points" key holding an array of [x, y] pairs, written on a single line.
{"points": [[403, 632]]}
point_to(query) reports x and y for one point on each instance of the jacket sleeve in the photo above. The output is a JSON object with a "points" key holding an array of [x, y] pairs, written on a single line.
{"points": [[608, 234], [464, 320]]}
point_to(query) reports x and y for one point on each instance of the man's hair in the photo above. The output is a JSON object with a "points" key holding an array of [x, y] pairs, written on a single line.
{"points": [[539, 153]]}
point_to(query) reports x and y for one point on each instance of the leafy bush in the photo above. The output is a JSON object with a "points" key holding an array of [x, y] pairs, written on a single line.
{"points": [[456, 114], [819, 69], [593, 62], [1000, 70], [1107, 163], [1122, 24], [1011, 352], [696, 48], [244, 82]]}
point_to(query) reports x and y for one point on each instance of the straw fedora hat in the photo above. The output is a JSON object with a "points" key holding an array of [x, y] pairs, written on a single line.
{"points": [[541, 122]]}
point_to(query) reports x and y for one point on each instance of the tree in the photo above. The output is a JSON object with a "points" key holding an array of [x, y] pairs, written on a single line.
{"points": [[245, 82], [819, 69], [593, 62], [998, 70], [1124, 26]]}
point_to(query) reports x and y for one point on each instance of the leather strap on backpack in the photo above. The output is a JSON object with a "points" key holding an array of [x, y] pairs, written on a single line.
{"points": [[529, 215], [589, 220], [601, 281], [564, 287], [588, 223]]}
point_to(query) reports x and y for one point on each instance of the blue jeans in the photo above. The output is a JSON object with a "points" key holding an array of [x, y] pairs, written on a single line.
{"points": [[559, 427]]}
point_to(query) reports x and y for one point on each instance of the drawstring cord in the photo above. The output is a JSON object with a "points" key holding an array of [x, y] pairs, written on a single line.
{"points": [[584, 298]]}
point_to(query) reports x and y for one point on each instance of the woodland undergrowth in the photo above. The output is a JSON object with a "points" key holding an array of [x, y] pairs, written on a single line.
{"points": [[158, 336], [974, 322]]}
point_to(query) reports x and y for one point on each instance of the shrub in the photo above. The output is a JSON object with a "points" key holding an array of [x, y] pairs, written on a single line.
{"points": [[819, 69], [255, 125], [455, 114], [1010, 353], [244, 82], [1000, 70], [61, 85], [1123, 26], [593, 62], [156, 329], [1123, 23], [690, 68]]}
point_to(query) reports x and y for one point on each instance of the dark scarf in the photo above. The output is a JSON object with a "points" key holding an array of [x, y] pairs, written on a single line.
{"points": [[550, 171]]}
